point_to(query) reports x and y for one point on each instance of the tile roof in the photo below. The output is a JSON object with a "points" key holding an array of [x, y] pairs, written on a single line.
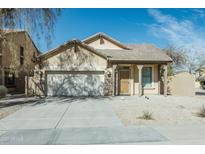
{"points": [[130, 52], [137, 52]]}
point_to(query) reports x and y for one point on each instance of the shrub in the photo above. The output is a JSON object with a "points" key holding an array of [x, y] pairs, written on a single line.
{"points": [[147, 115], [202, 83], [201, 113], [3, 91]]}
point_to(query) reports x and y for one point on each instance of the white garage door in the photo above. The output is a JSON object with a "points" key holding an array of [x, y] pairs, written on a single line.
{"points": [[75, 84]]}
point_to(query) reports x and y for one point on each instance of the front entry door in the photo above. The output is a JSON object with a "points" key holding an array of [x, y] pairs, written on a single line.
{"points": [[124, 82]]}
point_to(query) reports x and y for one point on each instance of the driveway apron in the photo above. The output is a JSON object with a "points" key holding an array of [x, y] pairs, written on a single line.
{"points": [[37, 116], [90, 113]]}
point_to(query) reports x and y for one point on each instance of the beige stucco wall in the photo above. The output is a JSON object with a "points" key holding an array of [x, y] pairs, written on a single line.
{"points": [[182, 84], [11, 57], [34, 86], [103, 44], [75, 60]]}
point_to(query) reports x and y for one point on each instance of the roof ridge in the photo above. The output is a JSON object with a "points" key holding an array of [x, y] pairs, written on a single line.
{"points": [[150, 44], [106, 36]]}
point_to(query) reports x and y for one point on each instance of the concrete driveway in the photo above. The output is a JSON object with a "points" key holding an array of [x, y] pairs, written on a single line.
{"points": [[71, 121], [63, 113]]}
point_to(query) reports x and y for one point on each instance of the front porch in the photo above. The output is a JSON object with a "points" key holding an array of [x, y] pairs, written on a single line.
{"points": [[139, 79]]}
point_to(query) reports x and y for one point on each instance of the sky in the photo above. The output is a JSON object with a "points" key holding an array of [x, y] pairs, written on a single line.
{"points": [[162, 27]]}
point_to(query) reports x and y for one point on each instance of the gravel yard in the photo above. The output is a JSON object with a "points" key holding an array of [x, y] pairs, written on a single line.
{"points": [[165, 110]]}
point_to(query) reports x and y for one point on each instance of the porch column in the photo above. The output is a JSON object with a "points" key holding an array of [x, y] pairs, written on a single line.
{"points": [[159, 79], [113, 80], [116, 82], [131, 80], [140, 79], [165, 79]]}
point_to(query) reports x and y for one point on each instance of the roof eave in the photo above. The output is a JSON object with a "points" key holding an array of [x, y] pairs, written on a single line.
{"points": [[126, 61], [72, 42]]}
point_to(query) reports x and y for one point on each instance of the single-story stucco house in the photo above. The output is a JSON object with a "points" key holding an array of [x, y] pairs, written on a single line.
{"points": [[100, 65]]}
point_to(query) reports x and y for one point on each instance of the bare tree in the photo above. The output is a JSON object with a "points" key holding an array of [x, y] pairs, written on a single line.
{"points": [[39, 22], [178, 57]]}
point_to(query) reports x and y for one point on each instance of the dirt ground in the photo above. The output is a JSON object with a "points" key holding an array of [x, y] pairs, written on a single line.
{"points": [[165, 110]]}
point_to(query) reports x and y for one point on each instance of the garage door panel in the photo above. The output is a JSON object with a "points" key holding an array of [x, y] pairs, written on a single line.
{"points": [[75, 84]]}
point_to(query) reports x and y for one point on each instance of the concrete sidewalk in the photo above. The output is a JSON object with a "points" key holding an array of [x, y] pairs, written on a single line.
{"points": [[183, 133], [161, 135], [90, 135]]}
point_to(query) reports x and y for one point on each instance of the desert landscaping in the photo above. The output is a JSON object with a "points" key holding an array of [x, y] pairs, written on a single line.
{"points": [[170, 110]]}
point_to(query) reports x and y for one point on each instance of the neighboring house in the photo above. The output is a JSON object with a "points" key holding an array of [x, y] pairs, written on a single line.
{"points": [[200, 76], [100, 65], [17, 51]]}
